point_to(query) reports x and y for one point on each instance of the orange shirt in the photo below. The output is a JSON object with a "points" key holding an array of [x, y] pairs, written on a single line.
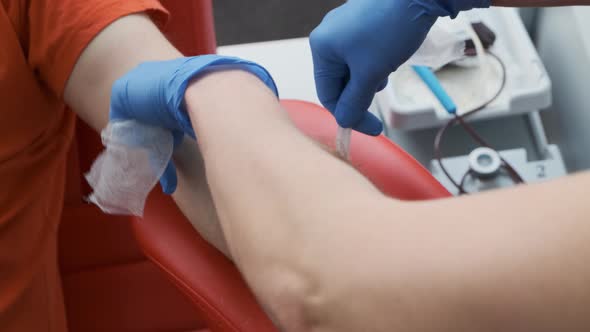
{"points": [[40, 41]]}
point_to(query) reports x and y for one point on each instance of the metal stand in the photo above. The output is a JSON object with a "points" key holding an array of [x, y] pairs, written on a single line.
{"points": [[548, 164], [538, 135]]}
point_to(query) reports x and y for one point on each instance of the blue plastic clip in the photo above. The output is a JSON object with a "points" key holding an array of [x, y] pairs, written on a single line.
{"points": [[429, 78]]}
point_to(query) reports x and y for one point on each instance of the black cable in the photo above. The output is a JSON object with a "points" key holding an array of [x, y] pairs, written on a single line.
{"points": [[438, 156], [476, 137], [511, 171], [464, 178]]}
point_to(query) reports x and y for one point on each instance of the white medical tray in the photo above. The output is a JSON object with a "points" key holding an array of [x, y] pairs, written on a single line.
{"points": [[408, 104]]}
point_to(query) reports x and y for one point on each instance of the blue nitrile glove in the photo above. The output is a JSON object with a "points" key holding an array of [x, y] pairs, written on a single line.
{"points": [[359, 44], [153, 93]]}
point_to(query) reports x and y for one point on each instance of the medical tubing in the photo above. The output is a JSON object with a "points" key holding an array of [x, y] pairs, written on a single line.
{"points": [[486, 68], [460, 119], [343, 136]]}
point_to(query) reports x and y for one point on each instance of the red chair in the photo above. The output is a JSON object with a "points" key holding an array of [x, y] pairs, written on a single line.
{"points": [[157, 273]]}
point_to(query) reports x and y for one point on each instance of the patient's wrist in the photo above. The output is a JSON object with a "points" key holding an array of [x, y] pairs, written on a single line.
{"points": [[223, 91]]}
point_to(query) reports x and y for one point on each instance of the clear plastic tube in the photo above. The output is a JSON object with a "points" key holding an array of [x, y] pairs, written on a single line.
{"points": [[484, 64], [343, 136]]}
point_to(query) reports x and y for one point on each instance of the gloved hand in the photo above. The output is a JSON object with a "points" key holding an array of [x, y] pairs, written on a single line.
{"points": [[359, 44], [153, 94]]}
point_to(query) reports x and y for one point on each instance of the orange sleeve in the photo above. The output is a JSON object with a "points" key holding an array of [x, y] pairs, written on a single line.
{"points": [[59, 30]]}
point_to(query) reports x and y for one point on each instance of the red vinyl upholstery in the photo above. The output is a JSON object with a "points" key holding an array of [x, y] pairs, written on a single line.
{"points": [[210, 280], [109, 284]]}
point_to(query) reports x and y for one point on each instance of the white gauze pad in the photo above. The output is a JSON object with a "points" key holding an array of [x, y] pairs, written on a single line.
{"points": [[132, 163]]}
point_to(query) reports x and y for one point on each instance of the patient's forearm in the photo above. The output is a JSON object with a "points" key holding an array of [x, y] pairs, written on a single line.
{"points": [[193, 196], [310, 234], [273, 220]]}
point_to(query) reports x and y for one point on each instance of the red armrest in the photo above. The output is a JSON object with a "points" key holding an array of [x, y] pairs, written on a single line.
{"points": [[210, 280], [389, 167]]}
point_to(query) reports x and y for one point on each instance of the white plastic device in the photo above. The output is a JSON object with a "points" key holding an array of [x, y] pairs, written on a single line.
{"points": [[408, 104]]}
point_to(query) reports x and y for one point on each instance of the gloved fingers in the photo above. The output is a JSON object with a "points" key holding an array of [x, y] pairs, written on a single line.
{"points": [[184, 122], [330, 75], [132, 96], [354, 102], [178, 136], [329, 89], [369, 125], [382, 85], [169, 181], [331, 14]]}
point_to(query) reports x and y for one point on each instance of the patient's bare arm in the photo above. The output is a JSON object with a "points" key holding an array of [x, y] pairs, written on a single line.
{"points": [[325, 251], [194, 197]]}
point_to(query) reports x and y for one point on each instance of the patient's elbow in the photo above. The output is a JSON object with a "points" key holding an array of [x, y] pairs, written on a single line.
{"points": [[286, 299]]}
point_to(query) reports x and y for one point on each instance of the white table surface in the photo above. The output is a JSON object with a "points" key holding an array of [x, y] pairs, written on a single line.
{"points": [[288, 61]]}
